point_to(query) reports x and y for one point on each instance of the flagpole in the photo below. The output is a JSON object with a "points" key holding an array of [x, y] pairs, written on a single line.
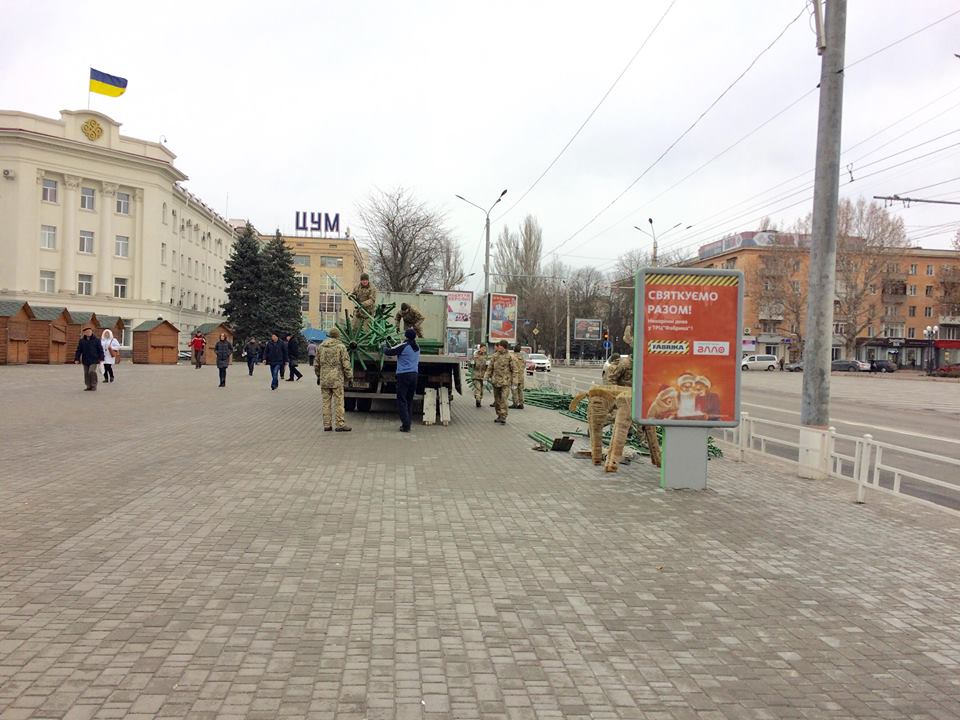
{"points": [[88, 87]]}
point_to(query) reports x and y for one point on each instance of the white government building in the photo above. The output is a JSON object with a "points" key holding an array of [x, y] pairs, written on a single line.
{"points": [[92, 220]]}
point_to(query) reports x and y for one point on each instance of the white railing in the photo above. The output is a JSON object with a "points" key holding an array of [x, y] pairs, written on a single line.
{"points": [[870, 463]]}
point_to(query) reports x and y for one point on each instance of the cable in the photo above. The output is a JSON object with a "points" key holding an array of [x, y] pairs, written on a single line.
{"points": [[897, 42], [592, 113], [936, 184], [684, 133]]}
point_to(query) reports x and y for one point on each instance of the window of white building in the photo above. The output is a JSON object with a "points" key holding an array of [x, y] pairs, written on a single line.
{"points": [[88, 199], [48, 237], [84, 284], [48, 281], [119, 287], [49, 192], [86, 241], [121, 246], [123, 203]]}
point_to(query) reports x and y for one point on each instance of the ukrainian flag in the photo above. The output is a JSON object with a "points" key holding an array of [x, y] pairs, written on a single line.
{"points": [[105, 84]]}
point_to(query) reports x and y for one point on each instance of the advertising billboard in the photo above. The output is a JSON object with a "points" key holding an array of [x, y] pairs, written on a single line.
{"points": [[586, 329], [687, 342], [458, 340], [459, 308], [502, 317]]}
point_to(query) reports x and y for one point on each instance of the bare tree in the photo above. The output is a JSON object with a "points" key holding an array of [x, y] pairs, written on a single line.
{"points": [[406, 239], [450, 266], [518, 256], [869, 284]]}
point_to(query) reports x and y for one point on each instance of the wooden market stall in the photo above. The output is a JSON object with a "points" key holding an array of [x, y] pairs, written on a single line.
{"points": [[15, 317], [113, 323], [48, 335], [156, 342], [79, 318], [211, 332]]}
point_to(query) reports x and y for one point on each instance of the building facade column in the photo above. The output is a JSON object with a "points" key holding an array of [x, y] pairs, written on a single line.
{"points": [[105, 246], [138, 247], [69, 240]]}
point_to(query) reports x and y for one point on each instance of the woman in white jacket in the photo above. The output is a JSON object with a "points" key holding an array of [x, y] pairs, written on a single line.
{"points": [[111, 354]]}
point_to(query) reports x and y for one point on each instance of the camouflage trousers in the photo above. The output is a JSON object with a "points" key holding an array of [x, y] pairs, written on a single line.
{"points": [[518, 394], [500, 395], [478, 389], [332, 405]]}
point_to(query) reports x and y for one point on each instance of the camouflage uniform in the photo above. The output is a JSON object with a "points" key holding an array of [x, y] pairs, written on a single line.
{"points": [[333, 369], [478, 366], [412, 318], [500, 373], [621, 373], [519, 373], [365, 297]]}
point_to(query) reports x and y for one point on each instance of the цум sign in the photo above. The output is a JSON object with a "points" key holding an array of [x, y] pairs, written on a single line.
{"points": [[318, 222], [687, 340]]}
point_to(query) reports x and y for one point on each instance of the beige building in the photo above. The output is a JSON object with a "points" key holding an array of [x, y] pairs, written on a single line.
{"points": [[97, 221], [317, 260]]}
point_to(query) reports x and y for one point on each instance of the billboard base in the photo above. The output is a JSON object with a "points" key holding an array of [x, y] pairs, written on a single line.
{"points": [[684, 465]]}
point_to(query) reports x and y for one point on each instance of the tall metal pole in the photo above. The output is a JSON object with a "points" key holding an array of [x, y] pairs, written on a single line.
{"points": [[486, 261], [567, 330], [653, 232], [815, 399]]}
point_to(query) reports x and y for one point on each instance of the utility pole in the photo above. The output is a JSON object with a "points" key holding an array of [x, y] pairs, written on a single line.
{"points": [[567, 329], [486, 256], [815, 405], [653, 232]]}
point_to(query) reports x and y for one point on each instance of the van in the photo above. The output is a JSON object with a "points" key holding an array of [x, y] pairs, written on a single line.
{"points": [[760, 362]]}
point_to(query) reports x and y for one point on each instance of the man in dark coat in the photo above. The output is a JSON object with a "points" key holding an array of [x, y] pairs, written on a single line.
{"points": [[90, 353], [275, 355], [293, 354]]}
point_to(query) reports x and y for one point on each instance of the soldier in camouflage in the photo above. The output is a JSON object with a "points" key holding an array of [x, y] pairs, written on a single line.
{"points": [[621, 373], [519, 373], [365, 296], [411, 317], [478, 368], [333, 369], [500, 373]]}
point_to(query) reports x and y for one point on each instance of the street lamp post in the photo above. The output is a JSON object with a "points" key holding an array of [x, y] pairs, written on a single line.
{"points": [[486, 256], [653, 234], [930, 333]]}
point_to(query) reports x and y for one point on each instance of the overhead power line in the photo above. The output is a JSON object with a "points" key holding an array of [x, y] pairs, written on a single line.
{"points": [[590, 116], [900, 40]]}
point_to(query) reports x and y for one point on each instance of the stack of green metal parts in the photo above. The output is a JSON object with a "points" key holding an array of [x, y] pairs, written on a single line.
{"points": [[560, 401]]}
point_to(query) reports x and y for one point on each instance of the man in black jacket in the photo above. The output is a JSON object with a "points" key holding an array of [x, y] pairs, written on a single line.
{"points": [[275, 355], [293, 353], [90, 353]]}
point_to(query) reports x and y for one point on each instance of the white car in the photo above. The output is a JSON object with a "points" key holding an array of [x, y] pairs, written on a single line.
{"points": [[760, 362], [537, 362]]}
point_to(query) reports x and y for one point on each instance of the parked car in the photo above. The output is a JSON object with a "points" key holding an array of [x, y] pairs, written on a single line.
{"points": [[948, 371], [537, 362], [864, 366], [794, 366], [845, 366], [882, 366], [760, 362]]}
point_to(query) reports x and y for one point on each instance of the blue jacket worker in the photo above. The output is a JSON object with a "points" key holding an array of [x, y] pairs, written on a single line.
{"points": [[408, 367]]}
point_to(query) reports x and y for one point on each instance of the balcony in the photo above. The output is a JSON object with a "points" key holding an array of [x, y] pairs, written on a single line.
{"points": [[894, 292], [950, 319]]}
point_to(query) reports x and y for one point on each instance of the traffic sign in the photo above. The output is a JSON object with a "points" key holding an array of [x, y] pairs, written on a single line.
{"points": [[607, 344]]}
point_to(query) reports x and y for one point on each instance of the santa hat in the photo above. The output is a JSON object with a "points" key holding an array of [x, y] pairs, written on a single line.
{"points": [[666, 390], [701, 379], [686, 378]]}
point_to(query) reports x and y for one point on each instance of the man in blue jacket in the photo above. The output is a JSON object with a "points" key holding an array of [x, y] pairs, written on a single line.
{"points": [[408, 367], [275, 355]]}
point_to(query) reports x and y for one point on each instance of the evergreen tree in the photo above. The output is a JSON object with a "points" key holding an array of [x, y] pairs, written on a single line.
{"points": [[281, 289], [243, 273]]}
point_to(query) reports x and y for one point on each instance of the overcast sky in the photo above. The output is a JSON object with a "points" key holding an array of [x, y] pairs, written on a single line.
{"points": [[291, 106]]}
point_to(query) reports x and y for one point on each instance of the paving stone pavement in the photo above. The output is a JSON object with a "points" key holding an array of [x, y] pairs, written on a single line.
{"points": [[169, 549]]}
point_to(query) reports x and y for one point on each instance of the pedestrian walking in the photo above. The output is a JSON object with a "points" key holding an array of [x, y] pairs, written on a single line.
{"points": [[251, 351], [198, 344], [293, 354], [333, 370], [224, 351], [411, 317], [312, 352], [519, 374], [782, 358], [111, 354], [500, 374], [478, 368], [90, 354], [408, 369], [275, 355]]}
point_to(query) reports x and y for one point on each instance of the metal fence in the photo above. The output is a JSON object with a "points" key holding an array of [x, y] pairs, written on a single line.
{"points": [[872, 464]]}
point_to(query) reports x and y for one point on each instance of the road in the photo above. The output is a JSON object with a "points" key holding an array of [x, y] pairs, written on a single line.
{"points": [[908, 411]]}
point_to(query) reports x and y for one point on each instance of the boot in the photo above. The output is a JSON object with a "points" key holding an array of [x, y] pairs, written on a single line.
{"points": [[344, 428], [478, 403], [327, 429]]}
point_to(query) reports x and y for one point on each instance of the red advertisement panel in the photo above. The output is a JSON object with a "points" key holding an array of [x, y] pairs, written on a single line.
{"points": [[688, 346], [503, 317]]}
